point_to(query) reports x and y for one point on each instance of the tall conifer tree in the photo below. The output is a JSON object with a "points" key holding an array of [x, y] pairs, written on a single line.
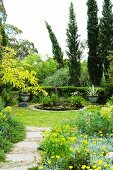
{"points": [[56, 49], [73, 51], [3, 37], [106, 35], [94, 60]]}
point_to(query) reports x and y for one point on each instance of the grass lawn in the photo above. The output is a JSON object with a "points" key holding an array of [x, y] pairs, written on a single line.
{"points": [[42, 118]]}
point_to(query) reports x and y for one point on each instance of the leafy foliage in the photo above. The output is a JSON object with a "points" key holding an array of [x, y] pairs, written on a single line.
{"points": [[42, 68], [84, 77], [16, 76], [59, 78]]}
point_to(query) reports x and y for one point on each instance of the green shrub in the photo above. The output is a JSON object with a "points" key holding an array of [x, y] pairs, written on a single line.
{"points": [[10, 96], [110, 101], [55, 99], [94, 120], [1, 103], [2, 156], [77, 101], [10, 128], [60, 78], [46, 101], [11, 131], [5, 144]]}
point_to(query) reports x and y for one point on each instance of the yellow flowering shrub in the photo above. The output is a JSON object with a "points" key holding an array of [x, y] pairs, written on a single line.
{"points": [[106, 112]]}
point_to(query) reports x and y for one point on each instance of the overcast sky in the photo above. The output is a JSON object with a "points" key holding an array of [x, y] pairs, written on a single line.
{"points": [[29, 16]]}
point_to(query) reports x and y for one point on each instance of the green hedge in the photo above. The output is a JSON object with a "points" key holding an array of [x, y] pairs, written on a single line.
{"points": [[66, 90], [69, 90]]}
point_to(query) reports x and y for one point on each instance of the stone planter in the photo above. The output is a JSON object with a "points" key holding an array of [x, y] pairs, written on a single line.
{"points": [[93, 99], [24, 98]]}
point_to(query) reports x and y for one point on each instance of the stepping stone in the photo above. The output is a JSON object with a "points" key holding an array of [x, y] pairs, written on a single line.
{"points": [[36, 129], [18, 150], [34, 135], [31, 145], [19, 168], [28, 158]]}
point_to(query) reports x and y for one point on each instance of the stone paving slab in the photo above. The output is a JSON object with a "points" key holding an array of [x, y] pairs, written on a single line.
{"points": [[33, 139], [34, 134], [22, 157], [36, 129], [19, 168], [18, 150], [26, 145]]}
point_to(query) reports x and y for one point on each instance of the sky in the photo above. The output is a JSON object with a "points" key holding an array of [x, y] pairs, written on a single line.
{"points": [[30, 17]]}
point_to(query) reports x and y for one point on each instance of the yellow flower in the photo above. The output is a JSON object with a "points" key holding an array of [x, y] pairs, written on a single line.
{"points": [[94, 166], [49, 161], [94, 142], [71, 149], [94, 153], [100, 162], [72, 139], [85, 142], [83, 166], [70, 167], [103, 147], [105, 165], [40, 167], [88, 167], [57, 156], [52, 157], [111, 167], [86, 136]]}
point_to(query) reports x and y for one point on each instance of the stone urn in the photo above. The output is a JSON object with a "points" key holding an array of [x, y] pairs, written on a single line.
{"points": [[24, 98], [93, 99]]}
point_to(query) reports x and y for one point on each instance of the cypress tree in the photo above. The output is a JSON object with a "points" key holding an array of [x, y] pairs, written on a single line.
{"points": [[106, 35], [3, 37], [73, 48], [94, 60], [56, 49]]}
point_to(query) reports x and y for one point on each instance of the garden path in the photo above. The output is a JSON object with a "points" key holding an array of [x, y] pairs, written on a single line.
{"points": [[25, 154]]}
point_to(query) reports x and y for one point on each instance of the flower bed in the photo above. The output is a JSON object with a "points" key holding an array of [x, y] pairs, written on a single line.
{"points": [[67, 146]]}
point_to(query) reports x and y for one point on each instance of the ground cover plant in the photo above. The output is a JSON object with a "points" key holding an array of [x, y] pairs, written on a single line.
{"points": [[11, 130], [67, 146]]}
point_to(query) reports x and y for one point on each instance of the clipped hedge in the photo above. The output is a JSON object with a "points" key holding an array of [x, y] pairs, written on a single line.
{"points": [[69, 90], [66, 90], [82, 91]]}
